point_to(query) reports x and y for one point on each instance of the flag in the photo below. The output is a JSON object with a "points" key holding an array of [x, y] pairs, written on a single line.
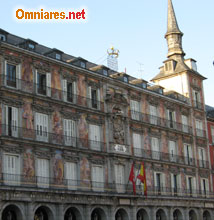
{"points": [[132, 179], [142, 177]]}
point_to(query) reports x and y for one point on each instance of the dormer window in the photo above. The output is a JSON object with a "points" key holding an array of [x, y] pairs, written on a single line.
{"points": [[105, 72], [82, 64], [125, 78], [160, 91], [144, 85], [31, 46], [58, 56], [2, 37]]}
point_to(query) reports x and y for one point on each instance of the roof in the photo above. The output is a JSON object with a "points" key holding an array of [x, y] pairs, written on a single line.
{"points": [[209, 111]]}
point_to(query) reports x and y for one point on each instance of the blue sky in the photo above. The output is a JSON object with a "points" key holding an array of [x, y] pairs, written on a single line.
{"points": [[135, 27]]}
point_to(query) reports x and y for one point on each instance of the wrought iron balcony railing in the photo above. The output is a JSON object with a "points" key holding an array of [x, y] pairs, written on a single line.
{"points": [[203, 164], [198, 105], [71, 185], [164, 157], [53, 138], [54, 93], [200, 133], [162, 122]]}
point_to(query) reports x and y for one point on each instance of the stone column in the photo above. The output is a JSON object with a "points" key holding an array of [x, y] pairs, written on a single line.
{"points": [[87, 213], [153, 213], [133, 213], [59, 213], [30, 212]]}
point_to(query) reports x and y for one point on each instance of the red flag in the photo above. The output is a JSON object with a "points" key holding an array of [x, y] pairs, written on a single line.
{"points": [[132, 179], [142, 177]]}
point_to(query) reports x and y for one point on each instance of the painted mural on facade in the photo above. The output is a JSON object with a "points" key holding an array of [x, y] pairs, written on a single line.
{"points": [[27, 75], [27, 120], [57, 136], [28, 164], [56, 91], [85, 173], [58, 167], [82, 88], [83, 131]]}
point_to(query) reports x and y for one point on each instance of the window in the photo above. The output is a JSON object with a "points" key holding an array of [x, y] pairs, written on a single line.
{"points": [[41, 127], [94, 137], [199, 128], [204, 187], [69, 91], [120, 178], [171, 118], [188, 154], [125, 78], [105, 72], [185, 126], [12, 75], [42, 173], [197, 99], [155, 148], [31, 46], [202, 158], [93, 97], [212, 134], [175, 183], [71, 175], [153, 115], [97, 178], [2, 37], [11, 121], [191, 185], [11, 169], [43, 83], [135, 109], [69, 128], [172, 151], [137, 144], [82, 64], [58, 56], [159, 182]]}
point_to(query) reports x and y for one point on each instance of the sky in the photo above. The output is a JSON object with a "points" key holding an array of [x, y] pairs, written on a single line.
{"points": [[136, 28]]}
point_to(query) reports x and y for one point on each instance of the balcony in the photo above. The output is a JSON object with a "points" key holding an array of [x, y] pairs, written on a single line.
{"points": [[161, 122], [55, 94], [203, 164], [164, 157], [88, 186], [200, 133], [198, 105], [52, 138]]}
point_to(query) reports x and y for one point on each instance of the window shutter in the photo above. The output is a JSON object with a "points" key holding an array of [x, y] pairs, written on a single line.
{"points": [[14, 122], [6, 119], [64, 88], [89, 101], [187, 183], [5, 72], [74, 92], [18, 76], [163, 181], [207, 186], [5, 162], [194, 186], [89, 92], [172, 183], [98, 98], [168, 115], [156, 180], [48, 84]]}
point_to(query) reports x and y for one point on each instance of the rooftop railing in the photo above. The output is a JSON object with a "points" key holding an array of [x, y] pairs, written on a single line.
{"points": [[162, 122], [88, 186]]}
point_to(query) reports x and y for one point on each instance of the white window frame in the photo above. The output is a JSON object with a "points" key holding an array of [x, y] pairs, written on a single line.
{"points": [[14, 126], [42, 121], [171, 123], [65, 90], [89, 96], [120, 177], [188, 154], [11, 175], [18, 74], [71, 175], [42, 175], [95, 137], [205, 192], [155, 147], [193, 183], [178, 183], [202, 157], [173, 151], [135, 109], [153, 111], [69, 131], [98, 178], [137, 144], [199, 128], [162, 183], [185, 126], [48, 83], [196, 99]]}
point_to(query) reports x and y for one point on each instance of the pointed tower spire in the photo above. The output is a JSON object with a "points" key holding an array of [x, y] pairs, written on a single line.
{"points": [[173, 34]]}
